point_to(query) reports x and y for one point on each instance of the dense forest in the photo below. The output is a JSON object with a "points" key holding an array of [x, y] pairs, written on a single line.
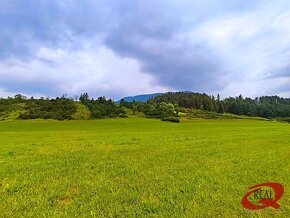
{"points": [[167, 107], [265, 106]]}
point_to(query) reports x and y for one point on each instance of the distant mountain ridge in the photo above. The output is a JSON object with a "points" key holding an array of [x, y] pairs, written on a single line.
{"points": [[140, 98]]}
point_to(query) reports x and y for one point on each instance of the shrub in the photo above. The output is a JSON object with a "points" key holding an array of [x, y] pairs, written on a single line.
{"points": [[171, 119]]}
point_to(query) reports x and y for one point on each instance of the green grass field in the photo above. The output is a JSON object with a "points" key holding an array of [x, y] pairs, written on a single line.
{"points": [[140, 167]]}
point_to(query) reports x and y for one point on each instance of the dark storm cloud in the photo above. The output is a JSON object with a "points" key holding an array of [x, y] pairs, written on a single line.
{"points": [[151, 35], [28, 25], [183, 68]]}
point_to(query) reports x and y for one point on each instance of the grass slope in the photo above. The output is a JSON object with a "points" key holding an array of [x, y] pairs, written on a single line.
{"points": [[13, 111], [140, 167], [193, 114]]}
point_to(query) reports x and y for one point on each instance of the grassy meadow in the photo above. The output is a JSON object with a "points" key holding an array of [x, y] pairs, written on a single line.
{"points": [[139, 167]]}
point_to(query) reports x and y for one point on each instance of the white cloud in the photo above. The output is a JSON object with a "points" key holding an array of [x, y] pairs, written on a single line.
{"points": [[253, 46], [95, 70]]}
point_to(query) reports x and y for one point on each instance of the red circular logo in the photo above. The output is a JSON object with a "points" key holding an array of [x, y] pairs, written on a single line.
{"points": [[265, 198]]}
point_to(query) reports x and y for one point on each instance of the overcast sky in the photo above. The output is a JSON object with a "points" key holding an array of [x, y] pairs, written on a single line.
{"points": [[118, 48]]}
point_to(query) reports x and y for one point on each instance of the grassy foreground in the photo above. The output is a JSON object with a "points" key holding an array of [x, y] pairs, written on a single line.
{"points": [[140, 167]]}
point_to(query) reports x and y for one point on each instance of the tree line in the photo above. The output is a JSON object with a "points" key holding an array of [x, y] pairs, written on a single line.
{"points": [[64, 108], [265, 106], [165, 107]]}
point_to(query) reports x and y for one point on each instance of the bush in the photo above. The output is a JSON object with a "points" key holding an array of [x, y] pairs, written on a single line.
{"points": [[82, 112], [122, 115], [286, 119], [171, 119]]}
